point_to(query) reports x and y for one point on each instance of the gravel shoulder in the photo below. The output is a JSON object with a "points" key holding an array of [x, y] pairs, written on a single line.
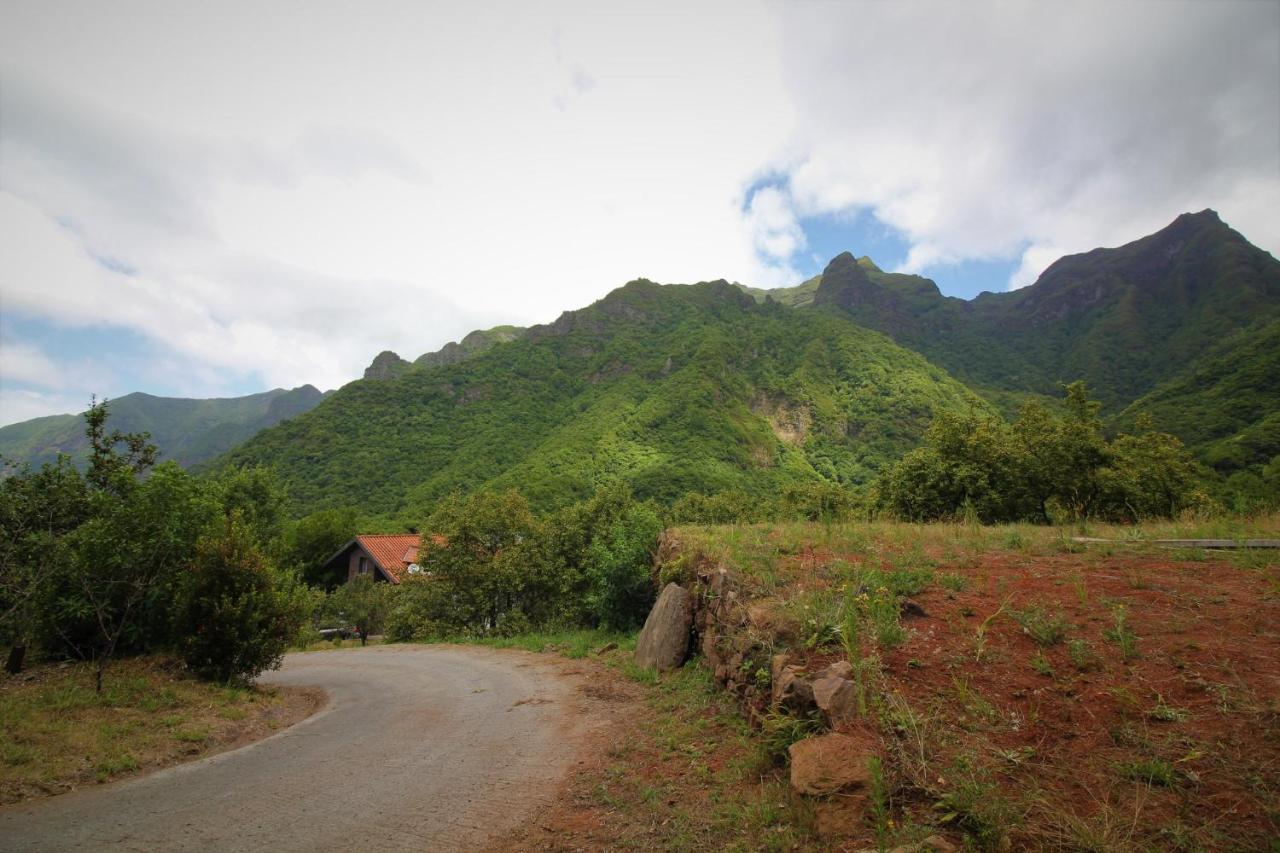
{"points": [[419, 747]]}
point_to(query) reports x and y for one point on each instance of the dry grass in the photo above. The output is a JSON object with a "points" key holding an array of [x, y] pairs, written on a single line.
{"points": [[57, 734]]}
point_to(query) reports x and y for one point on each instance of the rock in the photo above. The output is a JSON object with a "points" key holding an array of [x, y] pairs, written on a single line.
{"points": [[776, 665], [829, 763], [839, 669], [837, 698], [793, 690], [664, 640], [911, 610]]}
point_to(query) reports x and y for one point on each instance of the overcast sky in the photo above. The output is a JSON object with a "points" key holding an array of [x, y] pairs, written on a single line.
{"points": [[211, 199]]}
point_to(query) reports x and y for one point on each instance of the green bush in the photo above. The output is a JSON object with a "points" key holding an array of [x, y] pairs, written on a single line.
{"points": [[236, 615]]}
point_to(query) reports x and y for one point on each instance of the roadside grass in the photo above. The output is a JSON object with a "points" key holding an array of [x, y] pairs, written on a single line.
{"points": [[694, 775], [571, 643], [56, 733]]}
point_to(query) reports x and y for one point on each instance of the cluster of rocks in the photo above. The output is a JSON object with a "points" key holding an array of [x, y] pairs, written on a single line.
{"points": [[735, 639]]}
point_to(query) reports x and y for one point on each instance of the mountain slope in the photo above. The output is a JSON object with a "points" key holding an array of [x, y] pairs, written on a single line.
{"points": [[671, 388], [1227, 405], [187, 431], [1122, 319]]}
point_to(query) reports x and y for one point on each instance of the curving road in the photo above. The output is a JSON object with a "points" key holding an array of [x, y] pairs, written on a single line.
{"points": [[418, 748]]}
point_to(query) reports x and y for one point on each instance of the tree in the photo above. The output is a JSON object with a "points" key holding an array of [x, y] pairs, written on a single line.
{"points": [[479, 569], [37, 509], [363, 602], [114, 587], [311, 540], [236, 614]]}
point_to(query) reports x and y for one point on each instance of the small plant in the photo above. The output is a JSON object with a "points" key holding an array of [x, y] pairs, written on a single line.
{"points": [[1122, 635], [1151, 771], [953, 582], [879, 803], [1045, 628], [1041, 665], [1167, 713], [980, 636], [1081, 654], [1081, 589], [780, 730]]}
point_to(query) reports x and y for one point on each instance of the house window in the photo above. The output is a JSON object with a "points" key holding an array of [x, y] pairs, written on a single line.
{"points": [[364, 566]]}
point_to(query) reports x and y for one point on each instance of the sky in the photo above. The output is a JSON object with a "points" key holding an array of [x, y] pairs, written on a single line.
{"points": [[214, 199]]}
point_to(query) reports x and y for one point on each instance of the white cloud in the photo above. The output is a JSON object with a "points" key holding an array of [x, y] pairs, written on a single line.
{"points": [[773, 225], [1024, 130], [22, 363], [283, 190]]}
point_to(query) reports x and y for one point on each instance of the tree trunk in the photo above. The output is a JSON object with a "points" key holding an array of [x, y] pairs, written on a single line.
{"points": [[17, 655], [97, 676]]}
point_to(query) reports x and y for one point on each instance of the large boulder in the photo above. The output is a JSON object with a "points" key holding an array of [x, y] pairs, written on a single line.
{"points": [[830, 763], [664, 640]]}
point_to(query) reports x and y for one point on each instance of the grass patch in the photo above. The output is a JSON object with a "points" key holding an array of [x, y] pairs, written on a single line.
{"points": [[571, 643], [1150, 771], [57, 733], [1047, 629]]}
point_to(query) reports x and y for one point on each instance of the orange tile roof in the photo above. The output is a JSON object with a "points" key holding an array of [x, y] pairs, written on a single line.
{"points": [[392, 552]]}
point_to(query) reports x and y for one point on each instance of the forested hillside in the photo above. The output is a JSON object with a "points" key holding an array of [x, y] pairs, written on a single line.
{"points": [[671, 389], [1122, 319], [186, 431]]}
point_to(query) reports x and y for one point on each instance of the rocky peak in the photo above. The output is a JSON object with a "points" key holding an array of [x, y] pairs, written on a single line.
{"points": [[844, 283], [386, 365]]}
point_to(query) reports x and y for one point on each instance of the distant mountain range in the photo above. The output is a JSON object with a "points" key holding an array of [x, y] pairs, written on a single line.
{"points": [[187, 431], [713, 386]]}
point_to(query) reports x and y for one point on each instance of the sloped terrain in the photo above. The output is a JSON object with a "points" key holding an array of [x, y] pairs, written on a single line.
{"points": [[1019, 690], [670, 388]]}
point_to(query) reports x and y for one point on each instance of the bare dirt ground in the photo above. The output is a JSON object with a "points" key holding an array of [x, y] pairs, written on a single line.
{"points": [[419, 747]]}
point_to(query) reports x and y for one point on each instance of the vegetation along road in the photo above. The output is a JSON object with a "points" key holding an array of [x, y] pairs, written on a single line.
{"points": [[418, 748]]}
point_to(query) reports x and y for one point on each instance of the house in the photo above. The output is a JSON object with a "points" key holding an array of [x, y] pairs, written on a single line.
{"points": [[388, 557]]}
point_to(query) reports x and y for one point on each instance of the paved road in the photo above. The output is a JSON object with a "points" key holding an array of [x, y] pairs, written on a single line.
{"points": [[419, 748]]}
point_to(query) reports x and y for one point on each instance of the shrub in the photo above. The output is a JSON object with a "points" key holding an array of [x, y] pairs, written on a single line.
{"points": [[236, 615]]}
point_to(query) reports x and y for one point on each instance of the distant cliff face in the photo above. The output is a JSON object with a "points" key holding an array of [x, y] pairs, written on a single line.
{"points": [[386, 365]]}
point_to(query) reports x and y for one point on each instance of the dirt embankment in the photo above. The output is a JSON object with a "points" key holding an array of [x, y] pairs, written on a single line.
{"points": [[1016, 697]]}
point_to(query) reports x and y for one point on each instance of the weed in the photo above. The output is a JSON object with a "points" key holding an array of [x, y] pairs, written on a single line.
{"points": [[638, 673], [1168, 714], [980, 636], [1121, 634], [1081, 588], [110, 765], [780, 730], [1041, 665], [974, 703], [953, 582], [974, 805], [879, 802], [195, 734], [1081, 654], [1152, 771], [1045, 628]]}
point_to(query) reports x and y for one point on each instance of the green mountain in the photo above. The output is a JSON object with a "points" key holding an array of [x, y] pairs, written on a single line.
{"points": [[1123, 319], [186, 431], [1226, 406], [671, 388], [388, 364]]}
